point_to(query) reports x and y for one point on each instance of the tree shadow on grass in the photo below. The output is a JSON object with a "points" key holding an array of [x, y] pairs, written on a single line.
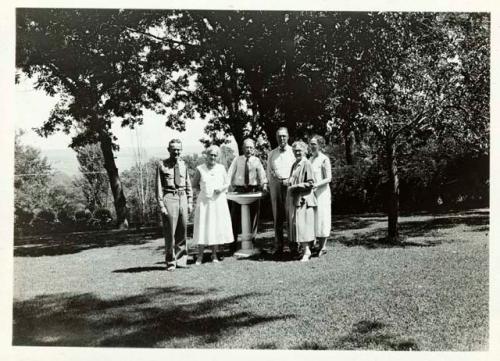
{"points": [[70, 243], [418, 233], [476, 221], [378, 239], [265, 346], [140, 269], [171, 316], [349, 223], [372, 335], [308, 345]]}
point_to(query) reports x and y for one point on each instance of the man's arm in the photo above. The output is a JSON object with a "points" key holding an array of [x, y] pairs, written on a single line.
{"points": [[268, 165], [231, 172], [261, 174], [159, 191]]}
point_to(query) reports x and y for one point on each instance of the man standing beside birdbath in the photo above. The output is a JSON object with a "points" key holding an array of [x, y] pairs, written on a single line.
{"points": [[279, 165], [246, 175]]}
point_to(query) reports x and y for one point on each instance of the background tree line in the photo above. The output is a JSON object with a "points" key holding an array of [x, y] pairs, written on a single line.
{"points": [[402, 98]]}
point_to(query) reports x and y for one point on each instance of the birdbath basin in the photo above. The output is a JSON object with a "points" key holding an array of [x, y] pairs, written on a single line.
{"points": [[245, 199]]}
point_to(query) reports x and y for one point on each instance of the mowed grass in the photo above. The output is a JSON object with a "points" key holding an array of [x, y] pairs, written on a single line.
{"points": [[431, 293]]}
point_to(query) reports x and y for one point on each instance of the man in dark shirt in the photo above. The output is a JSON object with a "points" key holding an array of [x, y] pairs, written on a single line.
{"points": [[175, 199]]}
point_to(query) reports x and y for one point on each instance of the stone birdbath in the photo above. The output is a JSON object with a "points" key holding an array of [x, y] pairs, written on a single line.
{"points": [[245, 199]]}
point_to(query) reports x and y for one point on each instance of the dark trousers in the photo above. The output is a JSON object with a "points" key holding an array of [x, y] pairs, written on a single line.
{"points": [[278, 201]]}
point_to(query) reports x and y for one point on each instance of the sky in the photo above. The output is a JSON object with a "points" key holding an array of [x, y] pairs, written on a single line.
{"points": [[33, 108]]}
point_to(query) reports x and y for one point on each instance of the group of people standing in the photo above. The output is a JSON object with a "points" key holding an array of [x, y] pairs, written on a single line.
{"points": [[298, 187]]}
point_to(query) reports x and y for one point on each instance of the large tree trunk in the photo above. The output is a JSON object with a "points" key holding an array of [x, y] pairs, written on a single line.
{"points": [[393, 190], [114, 180], [237, 131]]}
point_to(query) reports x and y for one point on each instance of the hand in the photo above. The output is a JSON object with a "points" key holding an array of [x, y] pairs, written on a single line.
{"points": [[190, 208], [264, 188], [164, 211], [285, 182]]}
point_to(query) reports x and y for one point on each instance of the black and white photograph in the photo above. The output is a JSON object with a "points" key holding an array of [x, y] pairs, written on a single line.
{"points": [[250, 179]]}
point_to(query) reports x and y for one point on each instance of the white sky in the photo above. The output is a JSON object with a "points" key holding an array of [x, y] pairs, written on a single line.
{"points": [[33, 108]]}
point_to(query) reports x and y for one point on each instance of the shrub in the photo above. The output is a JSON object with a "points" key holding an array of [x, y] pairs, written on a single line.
{"points": [[102, 217], [44, 221]]}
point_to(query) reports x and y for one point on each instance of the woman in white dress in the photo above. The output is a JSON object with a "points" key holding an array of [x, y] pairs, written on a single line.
{"points": [[322, 171], [212, 221]]}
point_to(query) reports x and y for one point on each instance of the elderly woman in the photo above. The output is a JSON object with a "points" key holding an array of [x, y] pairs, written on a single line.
{"points": [[300, 200], [212, 221], [322, 171]]}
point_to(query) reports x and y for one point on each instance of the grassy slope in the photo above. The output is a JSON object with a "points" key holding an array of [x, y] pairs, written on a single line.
{"points": [[430, 295]]}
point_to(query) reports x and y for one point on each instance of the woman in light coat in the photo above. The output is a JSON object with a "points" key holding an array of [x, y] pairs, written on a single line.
{"points": [[300, 200]]}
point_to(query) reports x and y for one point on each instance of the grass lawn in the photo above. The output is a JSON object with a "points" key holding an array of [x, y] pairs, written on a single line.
{"points": [[430, 294]]}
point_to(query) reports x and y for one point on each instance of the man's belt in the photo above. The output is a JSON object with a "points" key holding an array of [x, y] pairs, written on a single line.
{"points": [[281, 180], [175, 192]]}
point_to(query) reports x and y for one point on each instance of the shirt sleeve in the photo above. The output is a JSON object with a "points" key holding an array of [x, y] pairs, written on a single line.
{"points": [[232, 169], [268, 165], [159, 188], [261, 173]]}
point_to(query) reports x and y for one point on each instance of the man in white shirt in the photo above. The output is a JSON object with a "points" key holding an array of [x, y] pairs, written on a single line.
{"points": [[246, 174], [279, 164]]}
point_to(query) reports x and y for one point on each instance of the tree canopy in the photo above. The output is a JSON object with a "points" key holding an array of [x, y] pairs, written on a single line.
{"points": [[98, 63], [391, 81]]}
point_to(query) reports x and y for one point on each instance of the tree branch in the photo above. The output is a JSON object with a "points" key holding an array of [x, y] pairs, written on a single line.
{"points": [[159, 38], [69, 83]]}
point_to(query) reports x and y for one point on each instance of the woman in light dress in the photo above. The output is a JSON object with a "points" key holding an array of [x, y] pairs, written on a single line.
{"points": [[212, 221], [300, 200], [322, 171]]}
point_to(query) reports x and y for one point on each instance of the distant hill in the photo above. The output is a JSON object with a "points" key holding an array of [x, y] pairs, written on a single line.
{"points": [[64, 160]]}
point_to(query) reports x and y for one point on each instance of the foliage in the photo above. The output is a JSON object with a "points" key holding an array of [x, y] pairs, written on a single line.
{"points": [[101, 218], [250, 72], [139, 184], [32, 175], [44, 221], [402, 97], [93, 181], [98, 64]]}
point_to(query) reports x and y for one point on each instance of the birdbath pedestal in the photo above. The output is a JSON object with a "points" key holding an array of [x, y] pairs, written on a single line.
{"points": [[245, 199]]}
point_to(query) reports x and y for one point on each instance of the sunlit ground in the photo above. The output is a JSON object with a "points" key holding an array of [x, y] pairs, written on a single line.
{"points": [[431, 293]]}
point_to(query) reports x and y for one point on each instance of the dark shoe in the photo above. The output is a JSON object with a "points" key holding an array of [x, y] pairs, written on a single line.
{"points": [[278, 254], [295, 254]]}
